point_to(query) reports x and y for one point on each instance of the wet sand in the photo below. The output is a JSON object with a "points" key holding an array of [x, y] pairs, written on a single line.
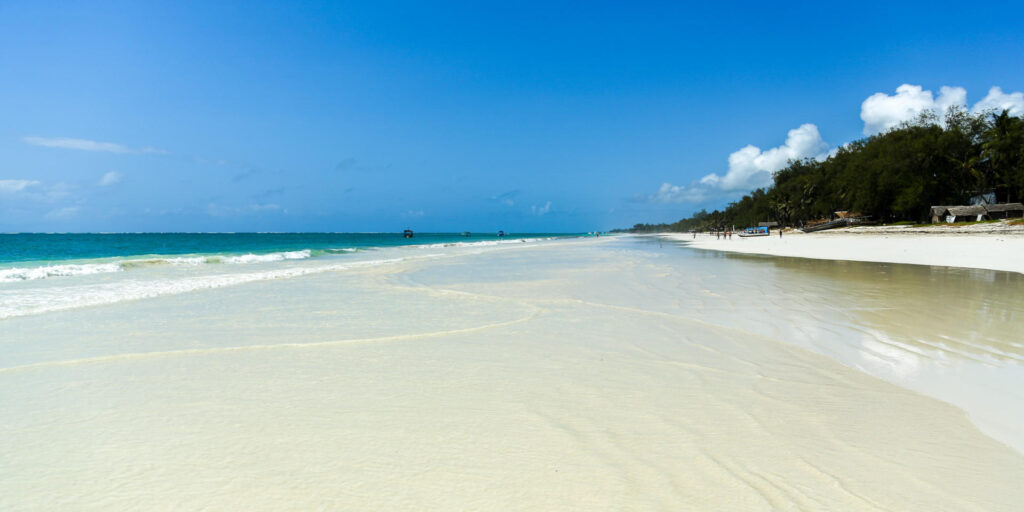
{"points": [[591, 374]]}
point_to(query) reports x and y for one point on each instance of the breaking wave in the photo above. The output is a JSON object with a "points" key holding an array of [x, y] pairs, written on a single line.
{"points": [[14, 274], [48, 299]]}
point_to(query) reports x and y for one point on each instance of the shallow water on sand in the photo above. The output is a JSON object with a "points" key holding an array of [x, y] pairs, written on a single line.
{"points": [[952, 333], [585, 374]]}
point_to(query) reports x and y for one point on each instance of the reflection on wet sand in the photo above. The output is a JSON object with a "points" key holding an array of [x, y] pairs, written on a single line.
{"points": [[936, 312], [951, 333]]}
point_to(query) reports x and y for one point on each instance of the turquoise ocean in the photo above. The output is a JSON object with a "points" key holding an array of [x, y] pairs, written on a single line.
{"points": [[40, 273]]}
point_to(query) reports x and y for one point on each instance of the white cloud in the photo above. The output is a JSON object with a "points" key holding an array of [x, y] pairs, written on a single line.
{"points": [[415, 213], [87, 145], [881, 112], [750, 167], [998, 100], [669, 193], [542, 210], [16, 185], [110, 178], [951, 96]]}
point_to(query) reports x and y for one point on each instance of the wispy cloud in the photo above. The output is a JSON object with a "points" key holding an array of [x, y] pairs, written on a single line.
{"points": [[347, 164], [255, 172], [16, 185], [669, 193], [265, 207], [110, 178], [88, 145], [542, 210], [507, 198], [63, 213], [220, 210], [37, 191], [350, 164]]}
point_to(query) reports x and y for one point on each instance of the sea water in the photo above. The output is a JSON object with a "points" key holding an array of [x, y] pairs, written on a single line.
{"points": [[51, 272]]}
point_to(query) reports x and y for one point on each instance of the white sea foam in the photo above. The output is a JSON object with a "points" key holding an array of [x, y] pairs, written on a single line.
{"points": [[484, 243], [263, 258], [133, 286], [15, 303], [79, 269], [29, 273]]}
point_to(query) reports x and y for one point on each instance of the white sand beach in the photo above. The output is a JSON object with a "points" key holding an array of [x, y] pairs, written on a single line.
{"points": [[994, 250], [591, 374]]}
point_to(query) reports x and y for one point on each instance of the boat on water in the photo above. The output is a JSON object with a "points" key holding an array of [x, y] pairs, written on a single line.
{"points": [[758, 231], [501, 234], [407, 233], [465, 233]]}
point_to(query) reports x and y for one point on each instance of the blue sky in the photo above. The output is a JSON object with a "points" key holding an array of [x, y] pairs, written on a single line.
{"points": [[376, 116]]}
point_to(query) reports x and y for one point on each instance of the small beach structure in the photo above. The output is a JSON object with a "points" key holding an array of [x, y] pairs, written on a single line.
{"points": [[974, 213], [1005, 210], [958, 213], [841, 219]]}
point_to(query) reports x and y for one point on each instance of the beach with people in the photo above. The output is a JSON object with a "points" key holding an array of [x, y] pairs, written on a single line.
{"points": [[519, 256]]}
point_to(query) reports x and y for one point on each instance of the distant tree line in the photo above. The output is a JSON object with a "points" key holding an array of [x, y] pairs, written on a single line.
{"points": [[892, 176]]}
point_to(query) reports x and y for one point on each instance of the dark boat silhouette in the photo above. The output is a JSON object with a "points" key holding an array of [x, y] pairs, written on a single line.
{"points": [[501, 234], [407, 233]]}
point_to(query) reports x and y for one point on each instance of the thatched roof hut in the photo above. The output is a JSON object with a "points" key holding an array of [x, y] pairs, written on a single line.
{"points": [[938, 213], [1004, 210], [975, 212], [966, 211], [957, 213]]}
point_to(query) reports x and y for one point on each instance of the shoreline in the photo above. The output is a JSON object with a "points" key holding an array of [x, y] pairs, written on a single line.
{"points": [[985, 250], [578, 374]]}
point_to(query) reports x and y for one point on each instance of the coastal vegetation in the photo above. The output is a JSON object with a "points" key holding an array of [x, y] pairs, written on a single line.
{"points": [[894, 176]]}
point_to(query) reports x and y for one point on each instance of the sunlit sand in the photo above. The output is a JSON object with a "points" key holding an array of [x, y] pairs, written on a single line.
{"points": [[567, 375]]}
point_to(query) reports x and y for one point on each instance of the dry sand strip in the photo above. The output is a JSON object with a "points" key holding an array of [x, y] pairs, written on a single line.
{"points": [[998, 250]]}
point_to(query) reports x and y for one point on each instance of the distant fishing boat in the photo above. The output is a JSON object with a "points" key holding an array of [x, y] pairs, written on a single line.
{"points": [[465, 233], [407, 233], [758, 231], [501, 234]]}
